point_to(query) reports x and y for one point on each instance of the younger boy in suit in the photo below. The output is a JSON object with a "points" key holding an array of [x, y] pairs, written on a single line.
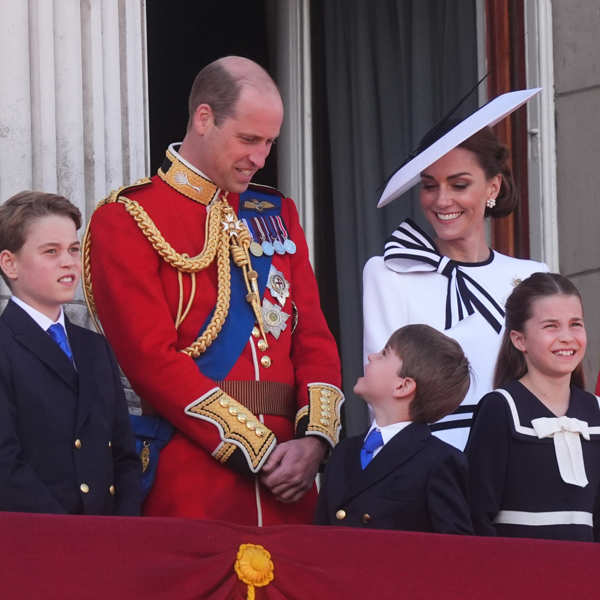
{"points": [[65, 440], [399, 476]]}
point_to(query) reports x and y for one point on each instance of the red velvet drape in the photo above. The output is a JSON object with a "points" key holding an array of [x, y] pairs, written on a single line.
{"points": [[56, 557]]}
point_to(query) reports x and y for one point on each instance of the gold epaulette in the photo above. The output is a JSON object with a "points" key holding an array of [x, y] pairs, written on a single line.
{"points": [[87, 276], [115, 194], [239, 428], [322, 415]]}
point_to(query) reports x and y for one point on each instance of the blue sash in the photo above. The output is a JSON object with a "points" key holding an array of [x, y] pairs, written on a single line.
{"points": [[224, 352]]}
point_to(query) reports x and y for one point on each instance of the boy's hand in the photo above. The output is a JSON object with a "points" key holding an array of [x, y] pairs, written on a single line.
{"points": [[291, 468]]}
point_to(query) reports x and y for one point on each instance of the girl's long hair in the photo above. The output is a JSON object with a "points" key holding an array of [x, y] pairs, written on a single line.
{"points": [[519, 306]]}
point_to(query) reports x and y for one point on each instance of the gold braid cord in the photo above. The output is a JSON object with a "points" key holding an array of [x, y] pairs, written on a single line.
{"points": [[224, 232]]}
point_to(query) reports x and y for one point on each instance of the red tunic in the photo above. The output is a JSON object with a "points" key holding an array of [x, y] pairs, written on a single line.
{"points": [[137, 293]]}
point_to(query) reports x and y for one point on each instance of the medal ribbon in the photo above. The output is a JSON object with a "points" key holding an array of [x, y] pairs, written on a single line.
{"points": [[223, 353]]}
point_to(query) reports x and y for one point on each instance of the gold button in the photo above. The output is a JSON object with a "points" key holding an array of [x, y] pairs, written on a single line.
{"points": [[77, 443], [366, 518], [324, 421], [255, 332], [224, 402], [242, 418], [251, 425], [262, 345], [85, 488], [259, 432], [111, 490], [265, 361], [340, 515], [233, 410], [109, 444], [325, 393]]}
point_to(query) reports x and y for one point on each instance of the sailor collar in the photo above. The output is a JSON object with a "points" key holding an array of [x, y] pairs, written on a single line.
{"points": [[178, 173]]}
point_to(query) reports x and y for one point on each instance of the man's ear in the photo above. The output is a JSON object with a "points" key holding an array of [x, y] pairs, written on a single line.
{"points": [[203, 119], [8, 264], [518, 340], [406, 386]]}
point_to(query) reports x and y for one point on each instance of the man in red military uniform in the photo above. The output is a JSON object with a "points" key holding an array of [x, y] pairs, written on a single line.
{"points": [[203, 286]]}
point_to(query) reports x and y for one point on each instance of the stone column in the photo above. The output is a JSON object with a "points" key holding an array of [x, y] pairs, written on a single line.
{"points": [[74, 102]]}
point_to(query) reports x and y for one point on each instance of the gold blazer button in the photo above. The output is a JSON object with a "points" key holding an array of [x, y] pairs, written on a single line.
{"points": [[340, 515]]}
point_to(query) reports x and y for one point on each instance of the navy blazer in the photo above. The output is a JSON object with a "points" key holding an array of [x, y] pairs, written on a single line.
{"points": [[65, 440], [416, 482]]}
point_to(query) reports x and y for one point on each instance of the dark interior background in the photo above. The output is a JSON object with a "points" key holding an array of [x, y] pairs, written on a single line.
{"points": [[183, 37]]}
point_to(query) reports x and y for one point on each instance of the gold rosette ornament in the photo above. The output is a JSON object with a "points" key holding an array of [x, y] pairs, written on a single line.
{"points": [[254, 567]]}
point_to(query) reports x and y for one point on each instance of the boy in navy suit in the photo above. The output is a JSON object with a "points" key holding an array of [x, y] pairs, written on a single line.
{"points": [[399, 476], [65, 440]]}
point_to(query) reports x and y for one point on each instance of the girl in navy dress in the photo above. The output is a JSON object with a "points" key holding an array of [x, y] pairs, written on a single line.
{"points": [[534, 449]]}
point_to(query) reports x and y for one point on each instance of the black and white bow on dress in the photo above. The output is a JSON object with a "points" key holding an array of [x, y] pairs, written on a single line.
{"points": [[409, 250]]}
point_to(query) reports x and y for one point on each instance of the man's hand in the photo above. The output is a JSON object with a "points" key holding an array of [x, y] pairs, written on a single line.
{"points": [[291, 468]]}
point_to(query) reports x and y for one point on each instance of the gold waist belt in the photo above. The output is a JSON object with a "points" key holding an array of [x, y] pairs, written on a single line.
{"points": [[259, 397], [263, 397]]}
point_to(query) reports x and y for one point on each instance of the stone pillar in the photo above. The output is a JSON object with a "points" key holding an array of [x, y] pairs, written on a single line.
{"points": [[74, 102]]}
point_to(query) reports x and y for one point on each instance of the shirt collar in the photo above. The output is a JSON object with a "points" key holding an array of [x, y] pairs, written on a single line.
{"points": [[42, 320], [389, 431]]}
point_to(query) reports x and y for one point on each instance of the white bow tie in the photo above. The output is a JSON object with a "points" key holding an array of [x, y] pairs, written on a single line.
{"points": [[566, 432]]}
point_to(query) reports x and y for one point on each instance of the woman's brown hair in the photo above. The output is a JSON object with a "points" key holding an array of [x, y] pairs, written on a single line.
{"points": [[493, 158]]}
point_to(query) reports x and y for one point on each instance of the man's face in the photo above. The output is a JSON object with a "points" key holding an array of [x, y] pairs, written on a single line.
{"points": [[232, 152]]}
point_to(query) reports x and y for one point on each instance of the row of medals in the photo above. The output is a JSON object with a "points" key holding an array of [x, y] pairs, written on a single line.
{"points": [[275, 240]]}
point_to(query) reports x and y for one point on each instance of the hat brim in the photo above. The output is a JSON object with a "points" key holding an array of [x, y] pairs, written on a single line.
{"points": [[488, 115]]}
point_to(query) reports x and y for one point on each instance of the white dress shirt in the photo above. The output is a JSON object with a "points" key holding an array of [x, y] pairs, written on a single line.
{"points": [[387, 432]]}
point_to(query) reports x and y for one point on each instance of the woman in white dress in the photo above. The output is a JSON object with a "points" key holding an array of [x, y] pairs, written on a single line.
{"points": [[455, 282]]}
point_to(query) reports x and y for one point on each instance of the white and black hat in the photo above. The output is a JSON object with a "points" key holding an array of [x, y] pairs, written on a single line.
{"points": [[434, 146]]}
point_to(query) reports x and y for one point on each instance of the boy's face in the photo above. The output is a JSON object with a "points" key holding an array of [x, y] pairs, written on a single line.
{"points": [[45, 272], [381, 376]]}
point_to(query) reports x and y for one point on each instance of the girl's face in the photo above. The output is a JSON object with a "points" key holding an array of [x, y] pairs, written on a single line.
{"points": [[453, 194], [553, 339]]}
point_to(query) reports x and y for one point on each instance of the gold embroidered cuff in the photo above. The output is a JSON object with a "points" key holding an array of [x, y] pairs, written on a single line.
{"points": [[238, 427], [322, 416]]}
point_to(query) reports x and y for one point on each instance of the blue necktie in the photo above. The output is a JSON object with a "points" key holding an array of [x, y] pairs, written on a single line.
{"points": [[58, 334], [373, 441]]}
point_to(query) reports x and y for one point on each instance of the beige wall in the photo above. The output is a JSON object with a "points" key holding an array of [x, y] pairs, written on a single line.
{"points": [[576, 31]]}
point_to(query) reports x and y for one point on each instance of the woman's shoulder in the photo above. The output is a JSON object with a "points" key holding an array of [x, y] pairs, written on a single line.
{"points": [[523, 266], [375, 269]]}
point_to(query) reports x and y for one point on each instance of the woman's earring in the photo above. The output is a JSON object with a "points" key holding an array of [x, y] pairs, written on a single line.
{"points": [[490, 202]]}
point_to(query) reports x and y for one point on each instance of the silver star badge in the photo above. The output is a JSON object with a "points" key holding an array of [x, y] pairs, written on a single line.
{"points": [[278, 285], [273, 318]]}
